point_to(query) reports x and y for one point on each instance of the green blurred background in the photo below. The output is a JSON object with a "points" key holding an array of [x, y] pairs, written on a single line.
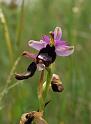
{"points": [[18, 24]]}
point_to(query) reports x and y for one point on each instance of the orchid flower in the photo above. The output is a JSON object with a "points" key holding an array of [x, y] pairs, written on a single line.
{"points": [[61, 47], [48, 48]]}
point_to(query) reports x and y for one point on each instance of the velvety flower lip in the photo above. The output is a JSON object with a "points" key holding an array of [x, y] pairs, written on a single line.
{"points": [[62, 48]]}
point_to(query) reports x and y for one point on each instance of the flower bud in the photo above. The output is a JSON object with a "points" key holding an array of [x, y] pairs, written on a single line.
{"points": [[56, 83]]}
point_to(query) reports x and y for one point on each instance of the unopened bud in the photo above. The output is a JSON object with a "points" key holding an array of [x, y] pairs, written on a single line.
{"points": [[56, 83]]}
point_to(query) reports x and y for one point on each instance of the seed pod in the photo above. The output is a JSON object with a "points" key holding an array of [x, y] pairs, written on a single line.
{"points": [[56, 83]]}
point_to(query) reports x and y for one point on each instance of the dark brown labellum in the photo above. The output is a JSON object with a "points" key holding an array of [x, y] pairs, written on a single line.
{"points": [[47, 55], [57, 87], [56, 83]]}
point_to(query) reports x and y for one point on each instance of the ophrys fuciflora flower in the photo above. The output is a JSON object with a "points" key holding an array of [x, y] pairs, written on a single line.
{"points": [[49, 47]]}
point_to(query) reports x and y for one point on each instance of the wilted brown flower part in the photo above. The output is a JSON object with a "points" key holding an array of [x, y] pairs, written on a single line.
{"points": [[28, 118], [56, 83]]}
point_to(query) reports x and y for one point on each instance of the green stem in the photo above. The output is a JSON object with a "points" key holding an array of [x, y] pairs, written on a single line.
{"points": [[40, 91], [43, 90], [46, 89]]}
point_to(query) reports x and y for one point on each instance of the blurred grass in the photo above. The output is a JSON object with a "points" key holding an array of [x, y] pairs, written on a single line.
{"points": [[74, 104]]}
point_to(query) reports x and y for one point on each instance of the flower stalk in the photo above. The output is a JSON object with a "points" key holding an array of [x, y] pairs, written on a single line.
{"points": [[40, 91], [47, 85]]}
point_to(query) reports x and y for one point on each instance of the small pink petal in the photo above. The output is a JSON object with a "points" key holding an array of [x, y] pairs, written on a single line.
{"points": [[57, 33], [37, 44], [29, 55], [46, 39], [64, 50]]}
